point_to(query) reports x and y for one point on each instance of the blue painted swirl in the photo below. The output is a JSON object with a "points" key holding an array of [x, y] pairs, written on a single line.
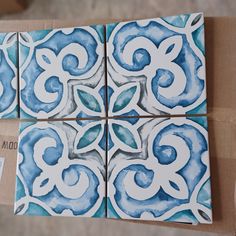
{"points": [[70, 64], [7, 72], [186, 59], [70, 176], [141, 58], [162, 202]]}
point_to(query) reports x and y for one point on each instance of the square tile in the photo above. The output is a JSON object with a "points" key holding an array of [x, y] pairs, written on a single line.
{"points": [[156, 66], [61, 169], [62, 73], [8, 75], [158, 169]]}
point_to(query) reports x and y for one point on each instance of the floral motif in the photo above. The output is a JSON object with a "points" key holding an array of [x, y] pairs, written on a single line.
{"points": [[91, 105], [8, 75], [56, 175], [165, 56], [166, 178], [52, 63]]}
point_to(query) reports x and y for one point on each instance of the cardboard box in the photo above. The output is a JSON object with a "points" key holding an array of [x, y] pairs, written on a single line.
{"points": [[11, 6], [220, 36]]}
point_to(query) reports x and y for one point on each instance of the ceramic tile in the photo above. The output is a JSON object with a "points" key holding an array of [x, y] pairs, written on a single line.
{"points": [[8, 75], [159, 170], [157, 66], [61, 169], [62, 73]]}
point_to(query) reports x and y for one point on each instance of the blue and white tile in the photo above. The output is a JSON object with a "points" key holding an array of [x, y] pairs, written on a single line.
{"points": [[157, 66], [158, 169], [8, 75], [62, 73], [61, 169]]}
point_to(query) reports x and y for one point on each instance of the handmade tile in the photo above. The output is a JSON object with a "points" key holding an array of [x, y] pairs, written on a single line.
{"points": [[158, 169], [61, 169], [62, 73], [156, 66], [8, 75]]}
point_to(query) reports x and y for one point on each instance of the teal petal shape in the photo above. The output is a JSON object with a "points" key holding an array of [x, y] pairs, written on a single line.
{"points": [[24, 52], [124, 135], [89, 136], [12, 51], [2, 36], [204, 195], [35, 209], [111, 213], [124, 99], [101, 210], [89, 101], [177, 21], [12, 115], [201, 120], [39, 34], [100, 31], [198, 38], [183, 216], [200, 109], [20, 191], [109, 29]]}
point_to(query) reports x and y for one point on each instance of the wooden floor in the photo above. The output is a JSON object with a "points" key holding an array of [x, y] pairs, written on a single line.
{"points": [[98, 10]]}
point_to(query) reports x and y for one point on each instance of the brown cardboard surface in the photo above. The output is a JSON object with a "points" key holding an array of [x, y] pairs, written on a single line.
{"points": [[10, 6], [221, 88], [8, 150]]}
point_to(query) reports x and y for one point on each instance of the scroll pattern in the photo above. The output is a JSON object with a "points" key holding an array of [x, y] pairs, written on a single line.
{"points": [[55, 176], [8, 75], [165, 58], [166, 177], [53, 63]]}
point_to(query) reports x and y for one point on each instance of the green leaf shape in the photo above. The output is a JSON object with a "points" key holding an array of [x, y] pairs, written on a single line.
{"points": [[89, 136], [124, 99], [89, 101], [124, 135]]}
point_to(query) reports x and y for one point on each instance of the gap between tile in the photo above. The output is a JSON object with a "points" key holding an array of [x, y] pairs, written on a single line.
{"points": [[114, 117]]}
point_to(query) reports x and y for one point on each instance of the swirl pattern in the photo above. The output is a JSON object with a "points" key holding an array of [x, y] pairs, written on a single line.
{"points": [[154, 168], [55, 176], [165, 57], [8, 75], [53, 63], [165, 177]]}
